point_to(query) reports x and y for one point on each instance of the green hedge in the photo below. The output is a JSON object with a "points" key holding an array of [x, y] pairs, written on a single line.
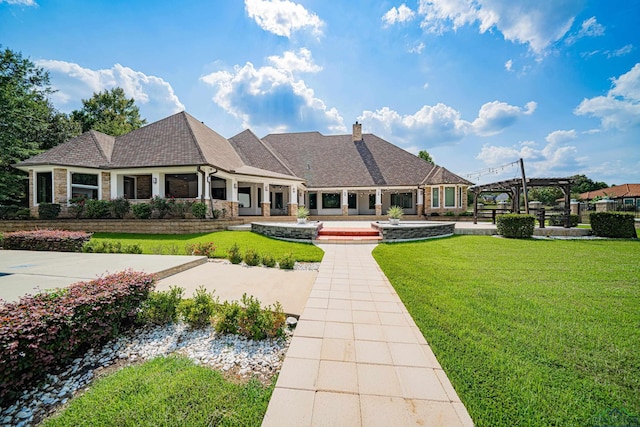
{"points": [[558, 220], [48, 210], [518, 226], [613, 224], [46, 240]]}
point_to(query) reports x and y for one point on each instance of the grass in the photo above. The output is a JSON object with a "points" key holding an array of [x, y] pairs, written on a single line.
{"points": [[530, 332], [175, 244], [169, 391]]}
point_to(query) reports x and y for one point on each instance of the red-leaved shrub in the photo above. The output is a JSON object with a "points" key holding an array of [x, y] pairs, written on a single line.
{"points": [[41, 333], [46, 240]]}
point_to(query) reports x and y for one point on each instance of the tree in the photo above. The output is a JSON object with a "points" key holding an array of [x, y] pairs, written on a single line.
{"points": [[546, 195], [583, 184], [109, 112], [24, 119], [424, 155]]}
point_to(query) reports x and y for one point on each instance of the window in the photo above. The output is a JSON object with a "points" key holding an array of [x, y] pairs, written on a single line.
{"points": [[84, 185], [460, 197], [352, 201], [450, 197], [181, 186], [129, 187], [313, 200], [435, 197], [218, 188], [44, 187], [330, 200], [372, 201], [404, 200], [244, 197]]}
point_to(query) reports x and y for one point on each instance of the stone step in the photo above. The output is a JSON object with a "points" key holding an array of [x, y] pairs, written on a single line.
{"points": [[353, 232]]}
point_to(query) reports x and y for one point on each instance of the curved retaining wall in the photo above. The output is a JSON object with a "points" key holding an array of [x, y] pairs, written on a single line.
{"points": [[413, 230], [293, 231]]}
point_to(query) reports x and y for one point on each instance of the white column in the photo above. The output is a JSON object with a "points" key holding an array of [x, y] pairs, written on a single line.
{"points": [[345, 197], [293, 197], [378, 196], [420, 193], [232, 189], [155, 184], [265, 195]]}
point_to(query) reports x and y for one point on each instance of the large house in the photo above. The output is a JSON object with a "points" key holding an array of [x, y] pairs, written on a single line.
{"points": [[627, 194], [180, 157]]}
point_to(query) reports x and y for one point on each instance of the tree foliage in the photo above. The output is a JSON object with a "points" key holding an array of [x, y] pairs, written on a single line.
{"points": [[424, 155], [110, 112], [583, 184]]}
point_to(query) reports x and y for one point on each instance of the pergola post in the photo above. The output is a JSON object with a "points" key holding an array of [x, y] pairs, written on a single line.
{"points": [[475, 207]]}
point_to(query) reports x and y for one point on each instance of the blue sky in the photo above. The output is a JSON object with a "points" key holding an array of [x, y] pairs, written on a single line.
{"points": [[477, 83]]}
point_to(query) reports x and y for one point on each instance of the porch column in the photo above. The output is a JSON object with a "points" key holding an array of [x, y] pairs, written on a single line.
{"points": [[117, 183], [293, 198], [345, 202], [266, 201], [378, 202], [232, 189], [420, 201], [155, 184]]}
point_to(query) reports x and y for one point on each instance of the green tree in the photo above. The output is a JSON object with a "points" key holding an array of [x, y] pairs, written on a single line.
{"points": [[25, 114], [546, 195], [424, 155], [62, 127], [583, 184], [109, 112]]}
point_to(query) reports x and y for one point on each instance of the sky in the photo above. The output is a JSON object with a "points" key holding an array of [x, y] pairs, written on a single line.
{"points": [[479, 84]]}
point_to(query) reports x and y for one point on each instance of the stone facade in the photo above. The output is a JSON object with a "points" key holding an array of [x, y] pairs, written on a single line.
{"points": [[266, 209], [345, 210], [378, 210], [292, 209], [106, 186], [414, 231], [284, 231], [60, 186]]}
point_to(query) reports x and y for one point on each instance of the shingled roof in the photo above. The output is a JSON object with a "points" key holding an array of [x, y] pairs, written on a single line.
{"points": [[254, 152], [91, 149], [616, 192], [337, 161]]}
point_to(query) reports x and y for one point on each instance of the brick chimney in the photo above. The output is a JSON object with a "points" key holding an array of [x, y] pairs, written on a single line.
{"points": [[357, 132]]}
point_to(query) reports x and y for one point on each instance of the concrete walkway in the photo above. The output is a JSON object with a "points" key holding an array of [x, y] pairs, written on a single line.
{"points": [[357, 357]]}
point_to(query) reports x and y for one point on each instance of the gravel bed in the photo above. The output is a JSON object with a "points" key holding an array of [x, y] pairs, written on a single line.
{"points": [[231, 354], [302, 266]]}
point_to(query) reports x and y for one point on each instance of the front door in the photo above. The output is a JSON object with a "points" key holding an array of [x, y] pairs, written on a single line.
{"points": [[277, 203]]}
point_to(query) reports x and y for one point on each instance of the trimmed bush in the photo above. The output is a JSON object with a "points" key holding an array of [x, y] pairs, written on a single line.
{"points": [[558, 220], [42, 333], [48, 210], [119, 207], [161, 307], [613, 224], [76, 206], [251, 257], [96, 209], [250, 319], [141, 210], [199, 210], [197, 312], [517, 226], [46, 240], [207, 249], [268, 261], [111, 247], [287, 262], [160, 206], [228, 317], [234, 255], [9, 211]]}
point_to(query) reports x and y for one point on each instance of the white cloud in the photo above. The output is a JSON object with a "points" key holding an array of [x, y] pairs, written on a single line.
{"points": [[152, 94], [417, 48], [624, 50], [398, 15], [537, 24], [292, 61], [282, 17], [508, 65], [20, 2], [553, 159], [441, 124], [495, 116], [620, 108], [560, 136], [589, 28], [272, 96]]}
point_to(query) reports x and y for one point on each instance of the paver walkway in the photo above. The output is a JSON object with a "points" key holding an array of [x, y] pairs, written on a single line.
{"points": [[357, 357]]}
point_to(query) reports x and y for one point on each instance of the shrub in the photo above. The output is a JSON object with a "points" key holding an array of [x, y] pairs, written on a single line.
{"points": [[119, 207], [202, 248], [180, 209], [302, 212], [46, 240], [141, 210], [518, 226], [23, 213], [111, 247], [161, 307], [435, 214], [287, 262], [199, 210], [228, 318], [9, 211], [96, 208], [41, 333], [251, 257], [558, 220], [257, 323], [160, 206], [76, 206], [395, 212], [48, 210], [197, 312], [613, 224], [234, 255], [449, 213], [268, 261]]}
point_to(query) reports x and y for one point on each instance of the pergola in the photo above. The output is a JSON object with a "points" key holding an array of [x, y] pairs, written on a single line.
{"points": [[515, 188]]}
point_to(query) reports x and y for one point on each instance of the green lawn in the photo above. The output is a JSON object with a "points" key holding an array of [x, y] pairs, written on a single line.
{"points": [[168, 391], [175, 244], [530, 332]]}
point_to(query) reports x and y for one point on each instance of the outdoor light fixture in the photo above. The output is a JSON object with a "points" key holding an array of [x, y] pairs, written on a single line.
{"points": [[155, 180]]}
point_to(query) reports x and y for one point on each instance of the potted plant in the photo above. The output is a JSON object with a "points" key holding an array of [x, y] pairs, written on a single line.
{"points": [[395, 214], [303, 214]]}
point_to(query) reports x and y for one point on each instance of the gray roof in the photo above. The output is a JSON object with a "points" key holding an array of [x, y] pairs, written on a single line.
{"points": [[256, 153], [335, 161], [92, 149]]}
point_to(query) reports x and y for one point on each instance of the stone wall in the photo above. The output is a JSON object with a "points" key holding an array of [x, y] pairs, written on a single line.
{"points": [[106, 186], [152, 226], [283, 231], [413, 231]]}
